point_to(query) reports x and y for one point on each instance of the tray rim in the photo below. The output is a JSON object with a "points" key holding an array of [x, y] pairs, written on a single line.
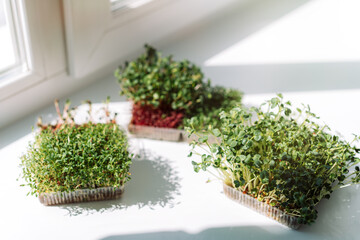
{"points": [[166, 134], [61, 198], [261, 207]]}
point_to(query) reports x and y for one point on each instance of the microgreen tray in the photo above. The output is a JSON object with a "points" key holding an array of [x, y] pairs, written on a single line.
{"points": [[261, 207], [167, 134], [81, 195]]}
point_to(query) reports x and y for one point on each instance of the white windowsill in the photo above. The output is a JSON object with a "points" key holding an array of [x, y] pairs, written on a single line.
{"points": [[166, 199]]}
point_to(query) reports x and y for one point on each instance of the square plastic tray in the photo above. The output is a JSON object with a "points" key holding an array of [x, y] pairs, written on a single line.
{"points": [[82, 195], [167, 134], [261, 207]]}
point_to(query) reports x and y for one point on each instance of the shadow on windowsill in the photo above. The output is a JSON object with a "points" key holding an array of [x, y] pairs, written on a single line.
{"points": [[153, 183], [339, 218]]}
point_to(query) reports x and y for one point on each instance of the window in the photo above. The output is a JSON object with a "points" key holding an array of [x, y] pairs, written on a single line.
{"points": [[98, 35], [33, 42], [11, 47], [36, 70], [7, 58]]}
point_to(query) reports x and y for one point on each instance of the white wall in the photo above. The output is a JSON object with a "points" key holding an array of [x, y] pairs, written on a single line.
{"points": [[278, 45], [97, 42], [256, 46]]}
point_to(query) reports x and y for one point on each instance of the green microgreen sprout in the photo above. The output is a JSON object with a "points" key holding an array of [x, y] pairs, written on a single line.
{"points": [[278, 155], [159, 82], [207, 114], [66, 156]]}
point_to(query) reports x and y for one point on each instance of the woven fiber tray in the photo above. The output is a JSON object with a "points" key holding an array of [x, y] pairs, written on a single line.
{"points": [[83, 195], [261, 207]]}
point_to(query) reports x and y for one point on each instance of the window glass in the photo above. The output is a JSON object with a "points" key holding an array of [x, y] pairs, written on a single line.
{"points": [[7, 41]]}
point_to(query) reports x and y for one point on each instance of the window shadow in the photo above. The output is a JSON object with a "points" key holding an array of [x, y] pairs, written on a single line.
{"points": [[338, 218], [211, 35], [236, 23], [153, 183], [270, 78], [231, 232]]}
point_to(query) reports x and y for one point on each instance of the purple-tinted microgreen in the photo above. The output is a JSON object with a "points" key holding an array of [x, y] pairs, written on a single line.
{"points": [[161, 82]]}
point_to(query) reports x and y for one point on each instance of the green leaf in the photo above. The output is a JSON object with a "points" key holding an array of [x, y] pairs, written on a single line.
{"points": [[216, 132], [257, 138], [233, 143], [272, 163], [287, 111], [257, 163], [203, 139], [274, 102]]}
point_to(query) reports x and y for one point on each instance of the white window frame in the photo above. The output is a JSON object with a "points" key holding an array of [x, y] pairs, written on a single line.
{"points": [[42, 50], [74, 42], [22, 92]]}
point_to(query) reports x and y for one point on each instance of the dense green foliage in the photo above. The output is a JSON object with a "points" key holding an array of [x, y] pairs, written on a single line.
{"points": [[279, 156], [67, 156], [216, 100], [161, 82], [174, 86]]}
